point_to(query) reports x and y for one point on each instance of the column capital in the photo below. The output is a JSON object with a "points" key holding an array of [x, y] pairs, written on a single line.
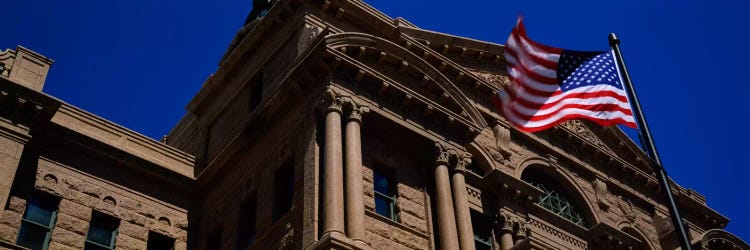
{"points": [[523, 229], [504, 221], [443, 154], [331, 102], [463, 163], [357, 112]]}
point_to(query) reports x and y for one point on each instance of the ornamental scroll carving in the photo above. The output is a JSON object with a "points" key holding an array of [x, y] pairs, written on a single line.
{"points": [[456, 160], [333, 101], [496, 80], [508, 222], [579, 128]]}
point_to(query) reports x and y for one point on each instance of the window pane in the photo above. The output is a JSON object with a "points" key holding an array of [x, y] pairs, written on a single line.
{"points": [[100, 235], [554, 198], [383, 206], [482, 245], [92, 246], [38, 214], [32, 236], [158, 241], [381, 184]]}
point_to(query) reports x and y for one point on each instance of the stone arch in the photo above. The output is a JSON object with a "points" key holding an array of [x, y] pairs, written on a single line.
{"points": [[481, 157], [565, 181], [355, 39], [721, 239]]}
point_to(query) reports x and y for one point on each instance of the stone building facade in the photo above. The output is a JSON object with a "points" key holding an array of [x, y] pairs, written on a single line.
{"points": [[329, 125]]}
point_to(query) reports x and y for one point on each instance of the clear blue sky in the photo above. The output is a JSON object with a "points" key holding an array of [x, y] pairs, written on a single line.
{"points": [[138, 63]]}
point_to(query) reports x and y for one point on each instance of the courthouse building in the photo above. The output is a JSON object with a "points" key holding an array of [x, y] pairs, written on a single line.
{"points": [[329, 125]]}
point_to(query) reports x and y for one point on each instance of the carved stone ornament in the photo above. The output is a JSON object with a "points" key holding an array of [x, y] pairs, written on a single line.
{"points": [[463, 163], [523, 229], [332, 102], [443, 154], [628, 212], [504, 221], [358, 112], [663, 224], [502, 139], [493, 79], [602, 195], [577, 126]]}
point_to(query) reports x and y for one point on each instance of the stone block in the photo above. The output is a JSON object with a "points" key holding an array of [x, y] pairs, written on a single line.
{"points": [[10, 147], [68, 238], [8, 166], [133, 230], [377, 227], [129, 243], [17, 204], [134, 218], [8, 233], [412, 208], [180, 245], [410, 193], [409, 240], [72, 224], [413, 222], [58, 246], [74, 209], [379, 242], [10, 218]]}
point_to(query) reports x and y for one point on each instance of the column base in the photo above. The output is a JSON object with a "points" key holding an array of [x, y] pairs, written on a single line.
{"points": [[337, 240]]}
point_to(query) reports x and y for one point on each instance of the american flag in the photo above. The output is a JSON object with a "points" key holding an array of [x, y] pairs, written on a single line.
{"points": [[551, 85]]}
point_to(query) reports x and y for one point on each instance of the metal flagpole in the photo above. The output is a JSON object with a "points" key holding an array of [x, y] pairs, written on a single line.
{"points": [[648, 145]]}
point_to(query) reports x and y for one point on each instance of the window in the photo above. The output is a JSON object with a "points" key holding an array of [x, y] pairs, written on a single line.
{"points": [[246, 228], [385, 195], [482, 230], [37, 222], [157, 241], [283, 190], [102, 231], [554, 198]]}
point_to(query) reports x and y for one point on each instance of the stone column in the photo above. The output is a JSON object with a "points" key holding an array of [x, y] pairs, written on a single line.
{"points": [[446, 216], [506, 231], [520, 234], [333, 193], [355, 205], [461, 203]]}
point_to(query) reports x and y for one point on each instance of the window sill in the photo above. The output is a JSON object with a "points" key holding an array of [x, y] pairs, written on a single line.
{"points": [[388, 221]]}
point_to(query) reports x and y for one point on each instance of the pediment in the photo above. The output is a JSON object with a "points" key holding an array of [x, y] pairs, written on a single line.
{"points": [[392, 66]]}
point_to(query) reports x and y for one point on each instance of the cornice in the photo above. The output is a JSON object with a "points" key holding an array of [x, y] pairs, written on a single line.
{"points": [[95, 127]]}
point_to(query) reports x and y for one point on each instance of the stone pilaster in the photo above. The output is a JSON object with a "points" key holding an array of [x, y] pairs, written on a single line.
{"points": [[13, 138], [355, 205], [445, 213], [461, 204]]}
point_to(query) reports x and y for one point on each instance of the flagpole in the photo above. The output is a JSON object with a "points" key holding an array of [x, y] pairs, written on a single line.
{"points": [[648, 145]]}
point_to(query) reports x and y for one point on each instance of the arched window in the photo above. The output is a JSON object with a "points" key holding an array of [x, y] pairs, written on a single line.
{"points": [[555, 198]]}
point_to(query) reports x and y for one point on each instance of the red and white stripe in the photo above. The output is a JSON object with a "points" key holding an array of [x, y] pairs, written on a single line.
{"points": [[534, 101]]}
